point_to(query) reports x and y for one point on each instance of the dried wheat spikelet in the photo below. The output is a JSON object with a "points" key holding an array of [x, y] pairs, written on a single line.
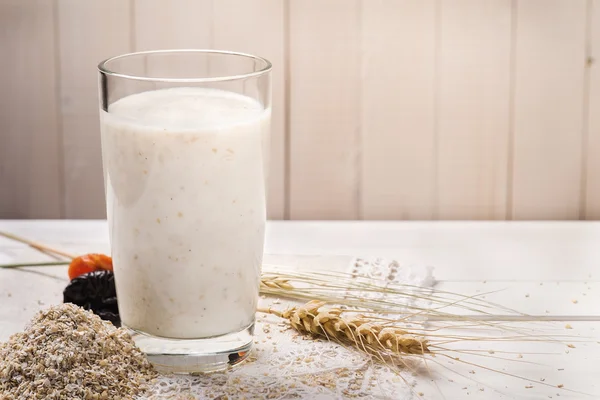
{"points": [[358, 332], [270, 282]]}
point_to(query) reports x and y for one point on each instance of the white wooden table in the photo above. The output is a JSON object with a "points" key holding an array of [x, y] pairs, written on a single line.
{"points": [[542, 268]]}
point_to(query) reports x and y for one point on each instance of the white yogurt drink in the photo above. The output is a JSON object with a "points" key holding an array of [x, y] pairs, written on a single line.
{"points": [[185, 183]]}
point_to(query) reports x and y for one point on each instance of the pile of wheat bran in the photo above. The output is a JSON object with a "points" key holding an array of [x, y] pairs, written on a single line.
{"points": [[68, 353]]}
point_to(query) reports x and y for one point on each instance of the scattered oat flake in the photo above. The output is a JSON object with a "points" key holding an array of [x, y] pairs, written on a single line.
{"points": [[570, 346], [568, 326], [574, 301]]}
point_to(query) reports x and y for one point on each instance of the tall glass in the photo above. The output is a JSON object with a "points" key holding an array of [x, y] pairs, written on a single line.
{"points": [[185, 136]]}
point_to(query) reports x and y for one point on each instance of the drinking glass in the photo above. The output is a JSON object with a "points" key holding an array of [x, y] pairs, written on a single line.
{"points": [[185, 138]]}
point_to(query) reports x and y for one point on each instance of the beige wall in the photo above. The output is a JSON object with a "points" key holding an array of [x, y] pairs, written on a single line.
{"points": [[384, 109]]}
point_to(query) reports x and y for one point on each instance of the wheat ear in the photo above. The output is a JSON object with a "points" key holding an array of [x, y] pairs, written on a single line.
{"points": [[271, 282], [358, 332]]}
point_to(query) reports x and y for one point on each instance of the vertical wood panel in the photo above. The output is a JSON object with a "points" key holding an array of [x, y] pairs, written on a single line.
{"points": [[592, 191], [257, 27], [473, 117], [398, 165], [548, 108], [324, 108], [89, 33], [174, 24], [29, 135]]}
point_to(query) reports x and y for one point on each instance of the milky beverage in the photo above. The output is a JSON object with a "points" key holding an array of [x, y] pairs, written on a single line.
{"points": [[185, 182]]}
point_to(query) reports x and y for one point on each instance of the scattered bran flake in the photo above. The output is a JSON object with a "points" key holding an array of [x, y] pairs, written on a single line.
{"points": [[66, 352], [568, 326], [560, 386], [570, 346], [574, 301], [529, 387]]}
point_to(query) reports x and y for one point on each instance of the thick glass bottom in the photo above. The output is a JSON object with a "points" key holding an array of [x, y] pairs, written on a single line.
{"points": [[193, 356]]}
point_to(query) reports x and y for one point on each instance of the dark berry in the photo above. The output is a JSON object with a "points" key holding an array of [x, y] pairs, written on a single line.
{"points": [[95, 291]]}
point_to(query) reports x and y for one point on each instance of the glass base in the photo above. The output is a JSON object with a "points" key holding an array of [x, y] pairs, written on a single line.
{"points": [[193, 356]]}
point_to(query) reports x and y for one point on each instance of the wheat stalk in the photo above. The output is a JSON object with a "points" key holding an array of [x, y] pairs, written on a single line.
{"points": [[359, 332], [388, 343], [348, 289], [38, 246]]}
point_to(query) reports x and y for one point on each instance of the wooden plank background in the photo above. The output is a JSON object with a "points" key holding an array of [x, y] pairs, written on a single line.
{"points": [[383, 109]]}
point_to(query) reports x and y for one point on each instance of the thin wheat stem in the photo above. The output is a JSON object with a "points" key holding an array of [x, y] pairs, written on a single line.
{"points": [[42, 264], [36, 245]]}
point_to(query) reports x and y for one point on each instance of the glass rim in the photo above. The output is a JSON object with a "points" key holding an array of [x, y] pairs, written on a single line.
{"points": [[102, 66]]}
